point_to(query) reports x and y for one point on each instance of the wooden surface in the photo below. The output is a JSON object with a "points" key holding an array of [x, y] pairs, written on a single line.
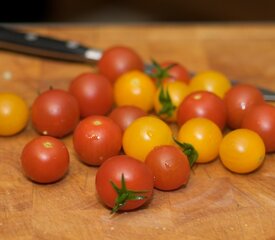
{"points": [[216, 204]]}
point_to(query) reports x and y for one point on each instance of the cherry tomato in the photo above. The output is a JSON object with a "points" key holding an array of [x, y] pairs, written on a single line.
{"points": [[169, 71], [168, 98], [144, 134], [124, 183], [94, 94], [135, 88], [55, 112], [170, 167], [211, 81], [125, 115], [45, 159], [261, 119], [242, 151], [117, 60], [176, 73], [204, 135], [202, 104], [238, 100], [14, 114], [97, 138]]}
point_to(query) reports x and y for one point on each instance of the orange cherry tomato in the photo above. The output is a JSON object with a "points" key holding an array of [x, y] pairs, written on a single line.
{"points": [[144, 134], [168, 98], [211, 81], [135, 88], [204, 135], [14, 114], [242, 151]]}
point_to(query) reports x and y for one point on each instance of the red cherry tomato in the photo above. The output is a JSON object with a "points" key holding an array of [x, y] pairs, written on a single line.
{"points": [[125, 115], [202, 104], [138, 179], [93, 92], [117, 60], [176, 73], [170, 167], [261, 119], [97, 138], [55, 113], [238, 100], [45, 159]]}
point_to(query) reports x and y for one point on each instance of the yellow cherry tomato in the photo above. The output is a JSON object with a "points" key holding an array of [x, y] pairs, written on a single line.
{"points": [[14, 114], [204, 135], [168, 98], [144, 134], [211, 81], [135, 88], [242, 151]]}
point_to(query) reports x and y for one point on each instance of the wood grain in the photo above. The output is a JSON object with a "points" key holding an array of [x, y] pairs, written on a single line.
{"points": [[216, 204]]}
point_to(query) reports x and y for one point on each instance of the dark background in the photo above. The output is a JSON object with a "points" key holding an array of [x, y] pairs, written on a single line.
{"points": [[136, 11]]}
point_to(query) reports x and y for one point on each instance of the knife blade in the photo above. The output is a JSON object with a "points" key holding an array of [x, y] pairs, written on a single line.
{"points": [[65, 50], [42, 46]]}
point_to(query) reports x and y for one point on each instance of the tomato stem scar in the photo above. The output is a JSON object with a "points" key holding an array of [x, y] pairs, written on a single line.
{"points": [[48, 144], [97, 123]]}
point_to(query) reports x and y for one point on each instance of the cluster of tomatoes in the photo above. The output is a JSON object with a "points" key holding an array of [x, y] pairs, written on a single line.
{"points": [[143, 129]]}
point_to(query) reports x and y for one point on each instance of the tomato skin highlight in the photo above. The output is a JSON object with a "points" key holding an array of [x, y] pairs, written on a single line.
{"points": [[170, 167], [242, 151], [202, 104], [14, 114], [93, 92], [45, 159], [55, 113], [261, 119], [97, 138], [138, 177], [117, 60], [125, 115], [238, 101]]}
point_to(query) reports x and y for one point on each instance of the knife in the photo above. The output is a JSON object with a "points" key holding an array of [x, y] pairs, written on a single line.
{"points": [[34, 44], [43, 46]]}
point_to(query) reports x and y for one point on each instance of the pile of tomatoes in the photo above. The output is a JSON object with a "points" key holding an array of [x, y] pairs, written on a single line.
{"points": [[142, 128]]}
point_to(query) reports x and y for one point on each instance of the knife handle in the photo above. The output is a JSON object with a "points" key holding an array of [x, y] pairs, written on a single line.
{"points": [[33, 44]]}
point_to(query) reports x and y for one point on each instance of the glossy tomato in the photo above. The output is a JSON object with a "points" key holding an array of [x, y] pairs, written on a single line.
{"points": [[135, 88], [125, 115], [168, 98], [14, 114], [55, 112], [242, 151], [204, 135], [97, 138], [94, 94], [261, 119], [212, 81], [45, 159], [170, 167], [144, 134], [238, 100], [169, 71], [124, 183], [117, 60], [202, 104], [177, 72]]}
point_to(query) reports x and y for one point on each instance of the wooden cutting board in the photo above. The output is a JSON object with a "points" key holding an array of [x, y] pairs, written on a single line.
{"points": [[216, 204]]}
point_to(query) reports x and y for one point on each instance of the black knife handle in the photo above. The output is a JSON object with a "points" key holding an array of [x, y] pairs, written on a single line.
{"points": [[42, 46]]}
